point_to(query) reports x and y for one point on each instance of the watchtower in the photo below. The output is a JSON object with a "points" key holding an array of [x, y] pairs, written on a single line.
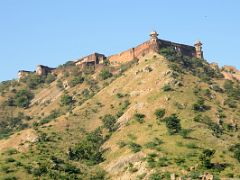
{"points": [[153, 36], [198, 49]]}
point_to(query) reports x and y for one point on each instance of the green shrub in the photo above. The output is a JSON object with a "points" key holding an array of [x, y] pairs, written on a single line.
{"points": [[173, 124], [109, 122], [105, 74], [205, 158], [76, 80], [89, 148], [53, 115], [135, 147], [216, 129], [66, 100], [200, 105], [185, 132], [154, 144], [231, 103], [23, 98], [159, 113], [167, 87], [236, 150], [33, 81], [10, 177], [50, 78], [121, 144], [59, 84], [191, 146], [162, 162], [139, 117]]}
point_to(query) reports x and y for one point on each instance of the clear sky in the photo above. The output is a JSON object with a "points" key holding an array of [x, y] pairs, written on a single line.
{"points": [[51, 32]]}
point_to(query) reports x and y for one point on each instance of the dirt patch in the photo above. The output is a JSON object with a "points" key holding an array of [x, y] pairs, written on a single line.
{"points": [[19, 141]]}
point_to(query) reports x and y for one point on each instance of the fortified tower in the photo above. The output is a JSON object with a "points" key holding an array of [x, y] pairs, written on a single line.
{"points": [[198, 49], [154, 36]]}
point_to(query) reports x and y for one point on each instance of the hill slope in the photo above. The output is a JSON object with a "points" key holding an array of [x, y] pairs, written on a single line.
{"points": [[162, 115]]}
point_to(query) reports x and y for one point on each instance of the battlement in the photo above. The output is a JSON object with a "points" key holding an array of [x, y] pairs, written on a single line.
{"points": [[91, 59], [43, 70], [22, 74], [154, 45]]}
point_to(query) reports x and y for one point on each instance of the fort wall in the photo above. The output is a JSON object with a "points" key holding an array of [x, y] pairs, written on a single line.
{"points": [[134, 53]]}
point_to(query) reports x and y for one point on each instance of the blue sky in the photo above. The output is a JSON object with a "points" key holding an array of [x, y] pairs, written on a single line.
{"points": [[51, 32]]}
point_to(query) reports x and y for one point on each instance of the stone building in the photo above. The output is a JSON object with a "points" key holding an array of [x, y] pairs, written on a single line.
{"points": [[22, 74], [43, 70], [154, 45], [198, 48], [91, 60]]}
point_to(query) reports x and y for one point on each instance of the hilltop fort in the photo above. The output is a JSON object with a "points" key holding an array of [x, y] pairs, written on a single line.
{"points": [[154, 44]]}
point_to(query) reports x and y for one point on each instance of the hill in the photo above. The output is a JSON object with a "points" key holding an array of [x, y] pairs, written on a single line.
{"points": [[159, 116]]}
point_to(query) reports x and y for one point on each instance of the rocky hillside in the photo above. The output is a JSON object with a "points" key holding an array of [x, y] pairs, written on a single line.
{"points": [[162, 116]]}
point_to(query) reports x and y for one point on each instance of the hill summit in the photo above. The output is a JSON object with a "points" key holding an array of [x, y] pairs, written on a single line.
{"points": [[156, 111]]}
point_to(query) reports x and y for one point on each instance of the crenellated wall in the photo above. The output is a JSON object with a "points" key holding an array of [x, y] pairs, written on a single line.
{"points": [[91, 59], [150, 46], [136, 52]]}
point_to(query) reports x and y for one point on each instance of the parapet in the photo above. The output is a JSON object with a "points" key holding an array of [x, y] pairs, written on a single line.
{"points": [[43, 70], [92, 59], [22, 74]]}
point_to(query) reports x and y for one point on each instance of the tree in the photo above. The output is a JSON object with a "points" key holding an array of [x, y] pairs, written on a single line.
{"points": [[109, 122], [206, 157], [173, 124], [89, 148], [23, 98]]}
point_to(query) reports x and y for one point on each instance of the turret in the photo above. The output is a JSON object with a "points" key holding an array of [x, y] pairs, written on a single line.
{"points": [[198, 50], [154, 36]]}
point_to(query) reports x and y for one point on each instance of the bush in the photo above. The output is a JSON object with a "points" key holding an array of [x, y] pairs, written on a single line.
{"points": [[216, 129], [23, 98], [139, 117], [154, 143], [231, 103], [33, 81], [236, 150], [105, 74], [66, 100], [185, 132], [135, 147], [109, 122], [173, 124], [200, 106], [76, 80], [159, 113], [89, 148], [206, 157], [53, 115], [167, 87], [59, 84], [50, 78]]}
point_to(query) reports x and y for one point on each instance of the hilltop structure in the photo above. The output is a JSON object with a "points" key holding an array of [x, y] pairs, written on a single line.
{"points": [[152, 45], [43, 70], [92, 59], [40, 71], [22, 74]]}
